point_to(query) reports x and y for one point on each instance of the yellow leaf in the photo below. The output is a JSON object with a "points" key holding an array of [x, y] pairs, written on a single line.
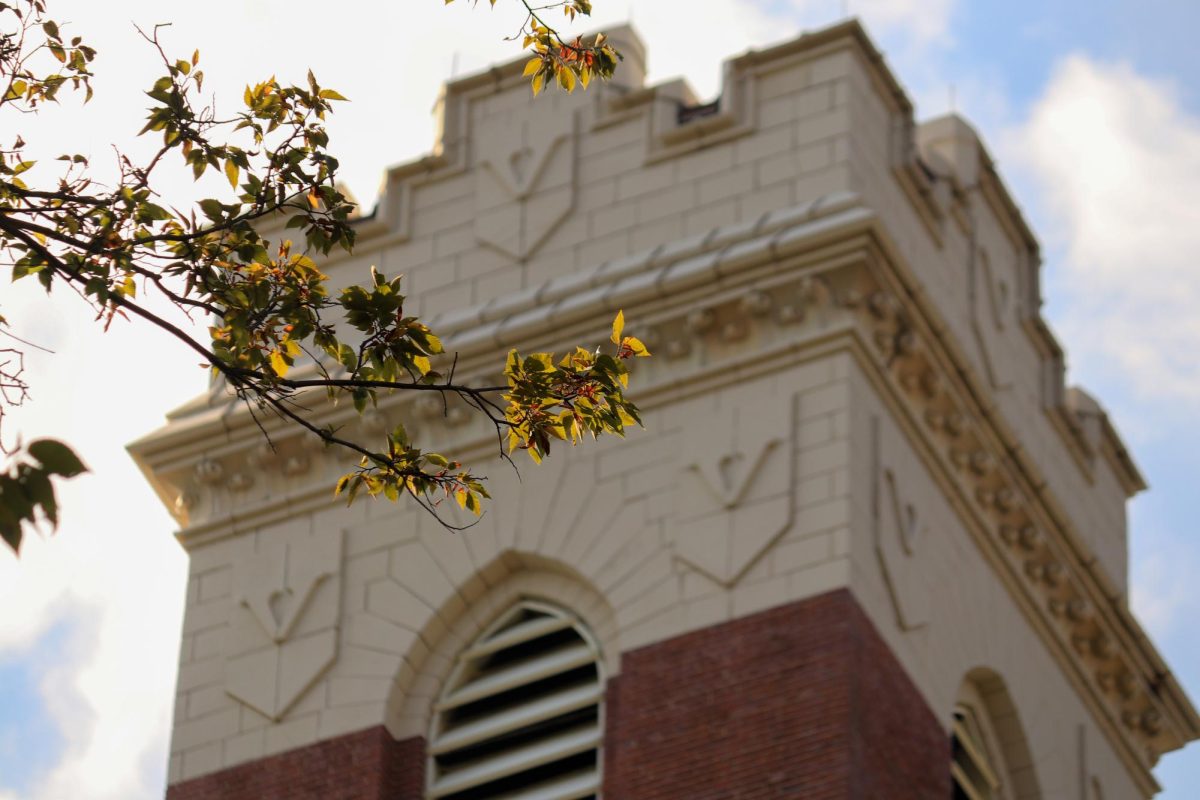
{"points": [[314, 200], [585, 76], [231, 172], [636, 346], [566, 79], [278, 364], [422, 364], [292, 347], [618, 326], [533, 66], [461, 496], [537, 84]]}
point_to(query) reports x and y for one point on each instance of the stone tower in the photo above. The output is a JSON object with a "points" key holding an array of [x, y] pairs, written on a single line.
{"points": [[868, 546]]}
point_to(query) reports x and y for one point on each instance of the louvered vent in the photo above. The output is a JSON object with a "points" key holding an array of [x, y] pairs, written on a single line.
{"points": [[521, 716]]}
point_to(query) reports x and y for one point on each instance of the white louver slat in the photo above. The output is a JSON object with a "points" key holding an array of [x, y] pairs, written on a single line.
{"points": [[521, 716]]}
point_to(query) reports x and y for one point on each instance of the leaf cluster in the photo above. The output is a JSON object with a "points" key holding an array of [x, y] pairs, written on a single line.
{"points": [[26, 492], [569, 63], [583, 393], [276, 331], [36, 60]]}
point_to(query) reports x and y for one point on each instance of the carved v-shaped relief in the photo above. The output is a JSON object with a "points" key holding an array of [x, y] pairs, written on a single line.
{"points": [[990, 300], [729, 476], [284, 627], [998, 292], [278, 606], [733, 496], [525, 179], [898, 534]]}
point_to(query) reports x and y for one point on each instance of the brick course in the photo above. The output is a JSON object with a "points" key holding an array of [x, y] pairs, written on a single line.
{"points": [[367, 765]]}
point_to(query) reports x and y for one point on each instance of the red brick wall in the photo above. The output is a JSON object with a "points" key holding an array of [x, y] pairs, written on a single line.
{"points": [[367, 765], [801, 701]]}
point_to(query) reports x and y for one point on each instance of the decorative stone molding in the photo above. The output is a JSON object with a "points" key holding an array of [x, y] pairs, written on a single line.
{"points": [[283, 631], [897, 529], [743, 471], [522, 194], [209, 472], [990, 299]]}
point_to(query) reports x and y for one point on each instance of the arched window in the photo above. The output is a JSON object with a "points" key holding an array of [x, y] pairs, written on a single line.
{"points": [[973, 769], [521, 715], [990, 759]]}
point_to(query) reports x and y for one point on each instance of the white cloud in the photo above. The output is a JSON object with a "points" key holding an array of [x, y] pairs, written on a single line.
{"points": [[1116, 160], [924, 21], [112, 576]]}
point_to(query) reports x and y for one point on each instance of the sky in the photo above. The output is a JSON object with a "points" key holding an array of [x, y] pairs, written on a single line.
{"points": [[1090, 109]]}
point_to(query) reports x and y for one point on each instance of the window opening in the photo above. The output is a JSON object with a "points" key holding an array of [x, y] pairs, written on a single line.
{"points": [[521, 717]]}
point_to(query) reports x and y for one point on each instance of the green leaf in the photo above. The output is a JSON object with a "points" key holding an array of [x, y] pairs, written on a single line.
{"points": [[39, 489], [57, 458], [212, 209], [10, 527]]}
